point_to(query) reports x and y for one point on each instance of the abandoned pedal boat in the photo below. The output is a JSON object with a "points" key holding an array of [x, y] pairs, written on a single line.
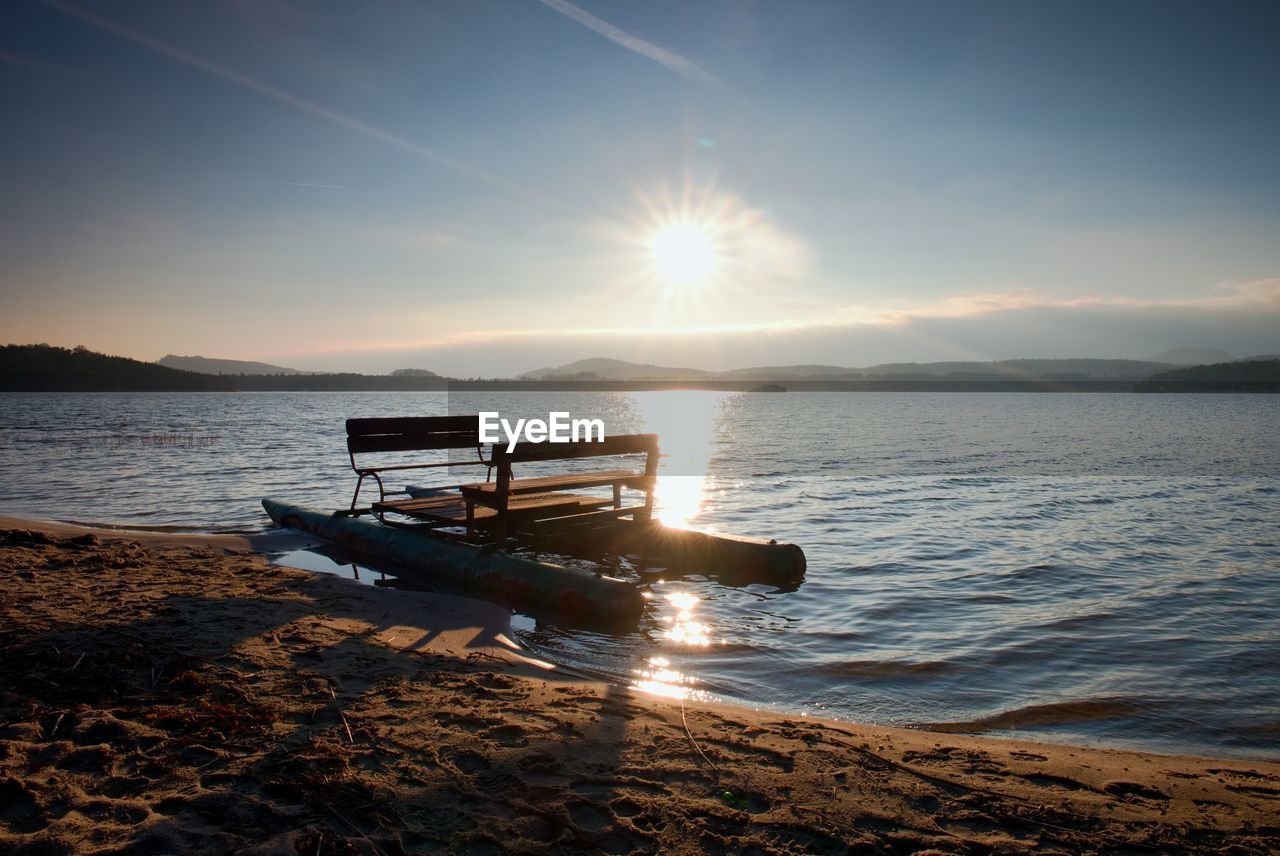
{"points": [[479, 536]]}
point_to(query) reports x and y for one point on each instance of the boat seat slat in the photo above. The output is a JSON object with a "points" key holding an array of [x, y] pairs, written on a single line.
{"points": [[484, 491], [452, 509]]}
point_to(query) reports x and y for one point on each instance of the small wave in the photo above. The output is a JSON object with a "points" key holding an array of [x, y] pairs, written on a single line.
{"points": [[839, 635], [1040, 715], [157, 527], [989, 597], [882, 668], [975, 481], [1030, 570], [1070, 501], [1071, 622], [1269, 729], [727, 647]]}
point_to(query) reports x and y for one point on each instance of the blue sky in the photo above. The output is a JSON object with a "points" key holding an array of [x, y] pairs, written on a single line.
{"points": [[474, 187]]}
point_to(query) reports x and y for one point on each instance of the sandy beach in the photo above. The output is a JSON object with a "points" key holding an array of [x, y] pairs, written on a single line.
{"points": [[167, 694]]}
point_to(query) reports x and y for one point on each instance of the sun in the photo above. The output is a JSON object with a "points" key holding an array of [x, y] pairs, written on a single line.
{"points": [[684, 254]]}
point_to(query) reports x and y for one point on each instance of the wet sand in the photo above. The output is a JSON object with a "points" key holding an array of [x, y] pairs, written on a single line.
{"points": [[163, 693]]}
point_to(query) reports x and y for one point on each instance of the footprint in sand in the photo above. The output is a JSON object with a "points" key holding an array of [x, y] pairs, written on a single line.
{"points": [[1133, 789], [465, 761], [506, 735], [19, 811], [465, 722], [1048, 780], [1256, 791], [1027, 756]]}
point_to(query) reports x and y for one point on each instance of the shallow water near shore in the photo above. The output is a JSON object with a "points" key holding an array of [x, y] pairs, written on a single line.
{"points": [[1090, 568]]}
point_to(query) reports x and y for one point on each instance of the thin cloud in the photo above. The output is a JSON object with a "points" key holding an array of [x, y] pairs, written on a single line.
{"points": [[682, 66], [26, 62], [1256, 297], [1260, 295], [307, 184], [484, 337], [295, 101]]}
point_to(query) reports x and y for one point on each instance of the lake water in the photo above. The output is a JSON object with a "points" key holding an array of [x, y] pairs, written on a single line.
{"points": [[1083, 568]]}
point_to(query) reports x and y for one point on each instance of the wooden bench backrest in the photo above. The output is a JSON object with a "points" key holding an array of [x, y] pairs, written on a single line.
{"points": [[412, 433], [620, 444]]}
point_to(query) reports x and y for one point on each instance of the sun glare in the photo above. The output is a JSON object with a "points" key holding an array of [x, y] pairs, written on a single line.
{"points": [[684, 254]]}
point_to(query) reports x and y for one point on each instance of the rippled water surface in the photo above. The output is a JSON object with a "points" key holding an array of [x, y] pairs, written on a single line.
{"points": [[1092, 568]]}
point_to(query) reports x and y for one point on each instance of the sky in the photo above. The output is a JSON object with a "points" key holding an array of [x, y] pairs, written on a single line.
{"points": [[484, 187]]}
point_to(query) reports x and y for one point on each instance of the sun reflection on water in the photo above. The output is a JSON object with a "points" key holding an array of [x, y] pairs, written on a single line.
{"points": [[685, 629], [685, 422], [658, 676], [678, 499]]}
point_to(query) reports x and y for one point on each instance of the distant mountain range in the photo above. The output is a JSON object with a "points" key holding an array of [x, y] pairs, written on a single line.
{"points": [[607, 369], [603, 369], [53, 369], [1193, 356], [212, 366], [209, 365]]}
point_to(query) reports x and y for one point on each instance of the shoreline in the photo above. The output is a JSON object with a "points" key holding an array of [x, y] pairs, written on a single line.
{"points": [[180, 692], [274, 541], [282, 546]]}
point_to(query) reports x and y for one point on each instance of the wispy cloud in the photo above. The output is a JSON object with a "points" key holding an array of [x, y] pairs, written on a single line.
{"points": [[484, 337], [307, 184], [294, 101], [680, 65], [26, 62], [1261, 295], [1259, 298]]}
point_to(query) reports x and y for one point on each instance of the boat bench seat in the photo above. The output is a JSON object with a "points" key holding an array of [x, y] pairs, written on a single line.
{"points": [[452, 510], [505, 493], [484, 493], [399, 434], [493, 505]]}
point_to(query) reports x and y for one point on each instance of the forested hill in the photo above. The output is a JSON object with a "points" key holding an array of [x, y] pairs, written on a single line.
{"points": [[1239, 376], [344, 382], [205, 365], [44, 368]]}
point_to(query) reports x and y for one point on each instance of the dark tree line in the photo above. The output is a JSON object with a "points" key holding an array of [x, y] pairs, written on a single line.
{"points": [[345, 382], [45, 368], [1240, 376]]}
